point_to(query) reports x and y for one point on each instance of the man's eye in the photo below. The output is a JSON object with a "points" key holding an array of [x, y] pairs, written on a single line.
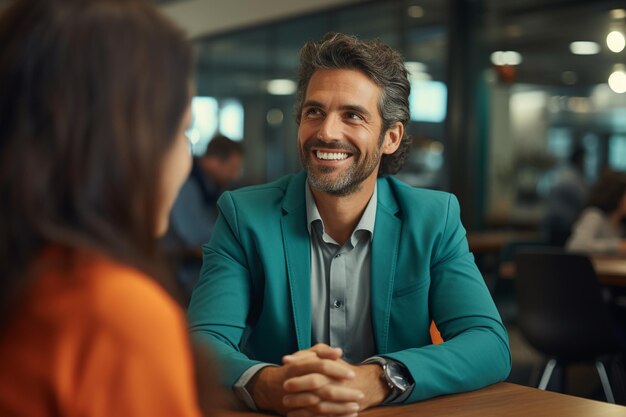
{"points": [[312, 112], [354, 116]]}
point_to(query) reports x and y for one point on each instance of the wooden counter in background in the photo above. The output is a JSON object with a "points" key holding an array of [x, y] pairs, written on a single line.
{"points": [[494, 241], [610, 270]]}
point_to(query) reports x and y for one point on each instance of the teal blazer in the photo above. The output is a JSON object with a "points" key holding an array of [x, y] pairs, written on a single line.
{"points": [[252, 302]]}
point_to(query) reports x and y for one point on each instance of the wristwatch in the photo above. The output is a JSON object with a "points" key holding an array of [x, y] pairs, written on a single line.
{"points": [[395, 375]]}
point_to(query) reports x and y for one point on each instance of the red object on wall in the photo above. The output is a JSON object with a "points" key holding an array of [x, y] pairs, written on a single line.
{"points": [[506, 73]]}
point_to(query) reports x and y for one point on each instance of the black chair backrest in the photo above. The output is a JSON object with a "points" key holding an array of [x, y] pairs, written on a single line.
{"points": [[560, 307]]}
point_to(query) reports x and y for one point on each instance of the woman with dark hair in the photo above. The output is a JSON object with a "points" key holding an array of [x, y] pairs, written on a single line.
{"points": [[599, 227], [94, 103]]}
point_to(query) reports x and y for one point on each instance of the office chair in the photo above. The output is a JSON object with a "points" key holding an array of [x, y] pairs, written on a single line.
{"points": [[562, 314], [504, 287]]}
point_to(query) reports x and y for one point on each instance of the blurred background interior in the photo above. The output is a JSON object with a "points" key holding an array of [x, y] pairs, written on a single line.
{"points": [[502, 93]]}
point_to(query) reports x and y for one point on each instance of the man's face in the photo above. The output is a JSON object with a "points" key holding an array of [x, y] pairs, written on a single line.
{"points": [[339, 137], [231, 169], [223, 172]]}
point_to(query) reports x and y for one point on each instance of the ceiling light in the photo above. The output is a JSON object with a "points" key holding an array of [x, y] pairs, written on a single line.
{"points": [[615, 41], [584, 48], [281, 87], [415, 11], [618, 14], [506, 58], [617, 80]]}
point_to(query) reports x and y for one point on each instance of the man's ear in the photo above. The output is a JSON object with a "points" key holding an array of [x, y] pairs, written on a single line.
{"points": [[393, 138]]}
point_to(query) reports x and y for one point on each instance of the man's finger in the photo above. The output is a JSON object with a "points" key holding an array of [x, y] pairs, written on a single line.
{"points": [[298, 356], [301, 400], [308, 382], [320, 350], [327, 352], [331, 369], [337, 393]]}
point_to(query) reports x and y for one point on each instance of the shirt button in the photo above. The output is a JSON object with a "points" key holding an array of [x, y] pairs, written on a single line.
{"points": [[337, 304], [338, 255]]}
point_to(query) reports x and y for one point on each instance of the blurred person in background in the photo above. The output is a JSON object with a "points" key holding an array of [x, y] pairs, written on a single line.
{"points": [[600, 227], [566, 199], [94, 104], [195, 210]]}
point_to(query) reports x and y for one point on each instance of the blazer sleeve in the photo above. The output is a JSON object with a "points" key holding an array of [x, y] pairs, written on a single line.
{"points": [[476, 350], [218, 312]]}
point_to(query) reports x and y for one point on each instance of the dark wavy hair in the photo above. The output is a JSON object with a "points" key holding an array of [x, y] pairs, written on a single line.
{"points": [[608, 192], [382, 64], [222, 148], [92, 94]]}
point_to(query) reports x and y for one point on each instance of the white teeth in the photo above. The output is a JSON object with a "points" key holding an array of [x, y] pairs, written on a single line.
{"points": [[331, 155]]}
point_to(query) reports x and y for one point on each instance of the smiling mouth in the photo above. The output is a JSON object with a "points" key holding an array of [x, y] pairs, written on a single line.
{"points": [[331, 156]]}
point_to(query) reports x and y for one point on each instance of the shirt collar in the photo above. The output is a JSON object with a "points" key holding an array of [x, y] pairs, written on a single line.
{"points": [[366, 223]]}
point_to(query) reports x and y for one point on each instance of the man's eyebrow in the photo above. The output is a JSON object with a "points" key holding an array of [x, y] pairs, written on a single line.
{"points": [[357, 109], [350, 107], [312, 103]]}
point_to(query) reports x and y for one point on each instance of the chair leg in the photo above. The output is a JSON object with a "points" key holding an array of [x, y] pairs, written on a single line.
{"points": [[547, 373], [604, 379], [617, 375]]}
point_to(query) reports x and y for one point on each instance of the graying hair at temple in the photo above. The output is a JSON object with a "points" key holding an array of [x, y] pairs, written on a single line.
{"points": [[382, 64]]}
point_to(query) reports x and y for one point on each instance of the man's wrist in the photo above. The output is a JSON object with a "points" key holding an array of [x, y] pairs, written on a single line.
{"points": [[378, 389], [257, 388], [395, 376], [241, 388]]}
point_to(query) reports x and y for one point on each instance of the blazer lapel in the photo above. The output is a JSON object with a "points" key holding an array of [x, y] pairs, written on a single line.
{"points": [[297, 252], [383, 262]]}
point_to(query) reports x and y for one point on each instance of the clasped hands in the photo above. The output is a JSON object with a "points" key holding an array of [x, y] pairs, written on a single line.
{"points": [[317, 382]]}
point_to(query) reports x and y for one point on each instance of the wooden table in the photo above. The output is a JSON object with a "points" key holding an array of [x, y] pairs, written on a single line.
{"points": [[494, 241], [503, 399], [610, 270]]}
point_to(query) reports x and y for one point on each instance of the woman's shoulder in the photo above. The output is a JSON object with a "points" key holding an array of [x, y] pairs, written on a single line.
{"points": [[99, 294], [95, 328], [126, 301]]}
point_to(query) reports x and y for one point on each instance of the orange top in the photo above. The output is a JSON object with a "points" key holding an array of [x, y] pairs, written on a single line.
{"points": [[95, 339], [435, 336]]}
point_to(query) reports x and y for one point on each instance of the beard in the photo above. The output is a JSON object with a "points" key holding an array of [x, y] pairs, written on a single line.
{"points": [[347, 182]]}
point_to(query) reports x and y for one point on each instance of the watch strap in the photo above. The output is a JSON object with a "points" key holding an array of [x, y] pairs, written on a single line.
{"points": [[394, 391]]}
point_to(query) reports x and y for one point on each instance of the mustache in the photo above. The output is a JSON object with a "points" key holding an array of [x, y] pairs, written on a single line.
{"points": [[332, 145]]}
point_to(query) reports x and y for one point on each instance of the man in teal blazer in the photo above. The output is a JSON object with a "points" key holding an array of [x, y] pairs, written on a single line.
{"points": [[267, 301]]}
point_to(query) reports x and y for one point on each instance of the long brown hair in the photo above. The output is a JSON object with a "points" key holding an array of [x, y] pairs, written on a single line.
{"points": [[92, 93], [608, 192]]}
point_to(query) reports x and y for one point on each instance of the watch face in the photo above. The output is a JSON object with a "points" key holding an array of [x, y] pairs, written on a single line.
{"points": [[396, 375]]}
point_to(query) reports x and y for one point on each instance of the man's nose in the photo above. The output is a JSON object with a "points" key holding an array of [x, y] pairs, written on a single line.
{"points": [[330, 129]]}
